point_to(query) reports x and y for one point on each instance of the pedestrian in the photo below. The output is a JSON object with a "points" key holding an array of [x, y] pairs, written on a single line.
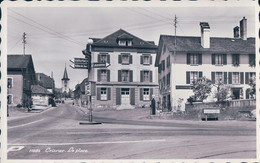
{"points": [[153, 103]]}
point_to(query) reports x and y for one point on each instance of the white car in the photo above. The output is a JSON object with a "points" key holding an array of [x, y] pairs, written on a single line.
{"points": [[253, 114]]}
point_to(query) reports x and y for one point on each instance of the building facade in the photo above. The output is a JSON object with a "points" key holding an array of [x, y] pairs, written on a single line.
{"points": [[20, 76], [131, 79], [227, 60]]}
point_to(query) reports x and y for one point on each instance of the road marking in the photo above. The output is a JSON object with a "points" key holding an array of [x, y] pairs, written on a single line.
{"points": [[91, 143], [15, 148], [26, 124]]}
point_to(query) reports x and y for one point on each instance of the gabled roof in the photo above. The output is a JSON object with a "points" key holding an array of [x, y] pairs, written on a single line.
{"points": [[217, 45], [65, 75], [111, 40], [37, 89], [18, 61], [45, 81]]}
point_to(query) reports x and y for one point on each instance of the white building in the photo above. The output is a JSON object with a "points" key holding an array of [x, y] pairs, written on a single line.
{"points": [[131, 79], [230, 59]]}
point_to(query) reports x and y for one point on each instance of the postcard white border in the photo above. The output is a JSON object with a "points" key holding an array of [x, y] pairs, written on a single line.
{"points": [[116, 3]]}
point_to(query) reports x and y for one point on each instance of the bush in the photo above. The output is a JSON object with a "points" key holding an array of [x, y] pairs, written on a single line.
{"points": [[19, 105]]}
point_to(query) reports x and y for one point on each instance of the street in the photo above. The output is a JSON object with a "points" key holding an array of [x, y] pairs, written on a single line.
{"points": [[56, 134]]}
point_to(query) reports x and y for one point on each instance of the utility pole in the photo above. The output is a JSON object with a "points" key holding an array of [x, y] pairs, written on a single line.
{"points": [[175, 40], [24, 42]]}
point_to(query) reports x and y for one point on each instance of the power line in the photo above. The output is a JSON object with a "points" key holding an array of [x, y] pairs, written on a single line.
{"points": [[53, 32], [15, 44]]}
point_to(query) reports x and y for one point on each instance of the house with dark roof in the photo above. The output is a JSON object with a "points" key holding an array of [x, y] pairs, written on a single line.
{"points": [[45, 81], [183, 59], [40, 95], [131, 79], [79, 94], [20, 76]]}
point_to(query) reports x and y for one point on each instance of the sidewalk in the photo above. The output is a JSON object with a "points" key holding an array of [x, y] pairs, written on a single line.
{"points": [[16, 113]]}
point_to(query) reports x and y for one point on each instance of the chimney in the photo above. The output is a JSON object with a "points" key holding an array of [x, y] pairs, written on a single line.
{"points": [[236, 32], [243, 28], [205, 38]]}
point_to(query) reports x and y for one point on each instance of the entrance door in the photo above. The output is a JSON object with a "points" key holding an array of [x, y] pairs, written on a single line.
{"points": [[236, 93], [125, 96]]}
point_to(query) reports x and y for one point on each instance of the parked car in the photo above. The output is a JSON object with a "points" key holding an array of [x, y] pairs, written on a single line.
{"points": [[253, 114]]}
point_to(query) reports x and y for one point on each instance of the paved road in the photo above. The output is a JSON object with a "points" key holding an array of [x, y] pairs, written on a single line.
{"points": [[56, 134]]}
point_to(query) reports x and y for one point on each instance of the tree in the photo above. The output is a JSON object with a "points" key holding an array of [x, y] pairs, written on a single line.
{"points": [[252, 84], [222, 92], [202, 88]]}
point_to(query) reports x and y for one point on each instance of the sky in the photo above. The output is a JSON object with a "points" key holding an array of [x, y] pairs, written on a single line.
{"points": [[56, 35]]}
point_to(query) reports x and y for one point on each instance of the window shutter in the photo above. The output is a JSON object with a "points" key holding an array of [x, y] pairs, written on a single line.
{"points": [[213, 77], [241, 77], [213, 59], [108, 93], [131, 75], [108, 58], [224, 59], [130, 59], [119, 76], [160, 68], [108, 75], [200, 59], [188, 58], [99, 75], [225, 77], [141, 76], [229, 77], [200, 74], [151, 76], [99, 57], [187, 77], [151, 60], [247, 77], [238, 59], [151, 93], [141, 94], [118, 96], [132, 100], [98, 93], [119, 58], [141, 59], [233, 59]]}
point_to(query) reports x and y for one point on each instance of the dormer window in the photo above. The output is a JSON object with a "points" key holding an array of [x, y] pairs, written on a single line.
{"points": [[122, 42], [125, 42]]}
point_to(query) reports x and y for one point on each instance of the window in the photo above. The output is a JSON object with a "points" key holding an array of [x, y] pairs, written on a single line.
{"points": [[103, 94], [122, 42], [163, 65], [219, 59], [164, 49], [168, 61], [235, 59], [125, 75], [103, 58], [125, 59], [194, 59], [219, 77], [193, 76], [9, 82], [252, 60], [251, 77], [146, 94], [146, 59], [103, 75], [125, 42], [9, 99], [146, 76], [168, 79], [235, 78]]}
